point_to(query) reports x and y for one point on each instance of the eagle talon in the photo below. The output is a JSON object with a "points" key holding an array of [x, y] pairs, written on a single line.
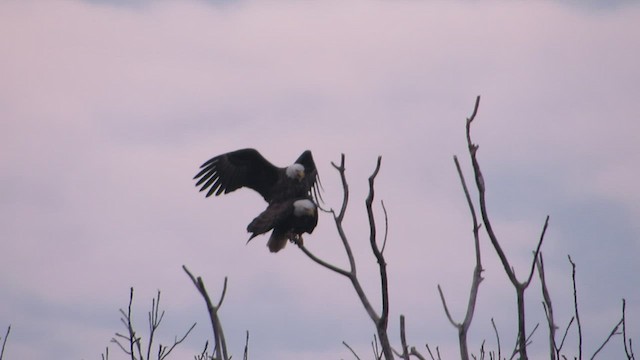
{"points": [[296, 239]]}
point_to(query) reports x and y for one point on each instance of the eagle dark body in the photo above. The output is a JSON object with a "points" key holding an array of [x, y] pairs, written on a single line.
{"points": [[288, 219], [290, 191], [248, 168]]}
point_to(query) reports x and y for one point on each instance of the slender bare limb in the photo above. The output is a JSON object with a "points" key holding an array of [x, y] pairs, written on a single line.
{"points": [[463, 327], [575, 306], [245, 355], [520, 287], [403, 340], [628, 351], [164, 351], [535, 254], [350, 349], [322, 262], [133, 342], [220, 348], [103, 356], [431, 354], [154, 321], [133, 345], [564, 337], [386, 226], [548, 310], [611, 334], [527, 341], [4, 342], [414, 352], [380, 321], [495, 330]]}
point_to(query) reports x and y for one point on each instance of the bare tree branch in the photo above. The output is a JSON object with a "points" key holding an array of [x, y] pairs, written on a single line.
{"points": [[322, 262], [403, 340], [628, 351], [386, 226], [566, 331], [463, 327], [548, 310], [613, 333], [415, 353], [495, 330], [220, 346], [133, 345], [575, 306], [4, 342], [431, 354], [350, 349], [508, 268], [380, 321], [245, 355]]}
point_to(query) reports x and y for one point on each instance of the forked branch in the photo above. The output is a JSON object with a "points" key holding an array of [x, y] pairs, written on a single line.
{"points": [[380, 321], [220, 345], [132, 345], [520, 287]]}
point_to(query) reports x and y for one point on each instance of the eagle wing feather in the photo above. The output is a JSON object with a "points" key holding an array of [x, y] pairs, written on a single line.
{"points": [[241, 168]]}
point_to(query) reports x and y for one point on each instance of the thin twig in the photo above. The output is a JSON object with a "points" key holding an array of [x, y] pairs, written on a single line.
{"points": [[386, 226], [575, 305], [495, 330], [566, 331], [613, 333], [403, 340], [446, 309], [535, 255], [548, 310], [166, 351], [627, 351], [4, 342], [350, 349], [245, 355]]}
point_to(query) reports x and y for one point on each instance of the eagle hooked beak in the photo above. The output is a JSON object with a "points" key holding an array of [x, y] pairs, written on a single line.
{"points": [[300, 174]]}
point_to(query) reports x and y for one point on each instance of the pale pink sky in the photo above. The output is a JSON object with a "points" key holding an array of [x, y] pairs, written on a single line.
{"points": [[108, 108]]}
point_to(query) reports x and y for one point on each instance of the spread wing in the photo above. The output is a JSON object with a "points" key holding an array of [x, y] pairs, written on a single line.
{"points": [[311, 179], [241, 168]]}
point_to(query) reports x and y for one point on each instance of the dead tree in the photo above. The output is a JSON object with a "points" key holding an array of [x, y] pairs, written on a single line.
{"points": [[381, 319]]}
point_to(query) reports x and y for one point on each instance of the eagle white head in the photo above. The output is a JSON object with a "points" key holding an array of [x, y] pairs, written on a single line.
{"points": [[295, 171], [304, 207]]}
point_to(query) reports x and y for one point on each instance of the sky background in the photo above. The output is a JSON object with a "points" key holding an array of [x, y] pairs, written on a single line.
{"points": [[108, 108]]}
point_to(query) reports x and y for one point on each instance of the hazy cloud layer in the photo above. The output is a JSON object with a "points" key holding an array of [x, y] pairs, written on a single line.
{"points": [[107, 109]]}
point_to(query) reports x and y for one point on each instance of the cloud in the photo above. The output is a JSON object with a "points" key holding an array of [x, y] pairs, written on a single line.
{"points": [[109, 110]]}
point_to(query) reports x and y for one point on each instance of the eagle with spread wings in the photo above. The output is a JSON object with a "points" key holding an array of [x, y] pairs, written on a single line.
{"points": [[291, 192]]}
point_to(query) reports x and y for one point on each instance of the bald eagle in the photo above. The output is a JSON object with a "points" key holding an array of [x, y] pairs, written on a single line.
{"points": [[288, 219], [290, 192], [248, 168]]}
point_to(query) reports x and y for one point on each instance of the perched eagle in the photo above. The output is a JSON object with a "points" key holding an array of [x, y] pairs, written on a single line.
{"points": [[248, 168], [288, 219], [290, 192]]}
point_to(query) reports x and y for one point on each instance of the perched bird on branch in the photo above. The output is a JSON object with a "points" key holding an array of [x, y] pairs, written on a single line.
{"points": [[290, 191], [288, 219]]}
